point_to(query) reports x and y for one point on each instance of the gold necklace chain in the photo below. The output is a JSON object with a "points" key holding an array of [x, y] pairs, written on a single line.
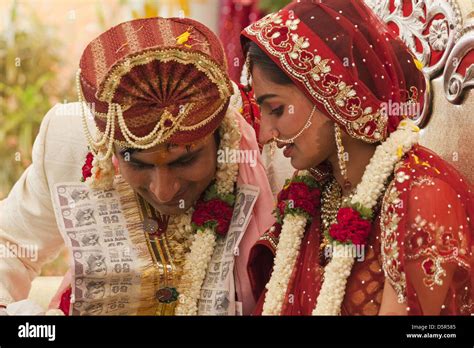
{"points": [[167, 250], [331, 200]]}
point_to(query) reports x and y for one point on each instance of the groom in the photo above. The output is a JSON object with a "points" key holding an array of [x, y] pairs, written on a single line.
{"points": [[160, 206]]}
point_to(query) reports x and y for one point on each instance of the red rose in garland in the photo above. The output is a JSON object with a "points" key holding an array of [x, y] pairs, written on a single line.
{"points": [[214, 211], [350, 227], [301, 194], [304, 197], [283, 194], [87, 167], [281, 207]]}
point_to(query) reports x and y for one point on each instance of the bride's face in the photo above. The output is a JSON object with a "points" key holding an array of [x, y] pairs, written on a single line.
{"points": [[285, 111]]}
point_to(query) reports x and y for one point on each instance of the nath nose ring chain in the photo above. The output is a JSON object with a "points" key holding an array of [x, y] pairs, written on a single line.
{"points": [[306, 126]]}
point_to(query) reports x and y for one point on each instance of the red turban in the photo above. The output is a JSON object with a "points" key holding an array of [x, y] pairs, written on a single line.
{"points": [[167, 76]]}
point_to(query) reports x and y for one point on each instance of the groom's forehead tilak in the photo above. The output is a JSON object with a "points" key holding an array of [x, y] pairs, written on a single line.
{"points": [[167, 153]]}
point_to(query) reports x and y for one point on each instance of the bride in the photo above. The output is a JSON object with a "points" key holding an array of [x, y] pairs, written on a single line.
{"points": [[372, 222]]}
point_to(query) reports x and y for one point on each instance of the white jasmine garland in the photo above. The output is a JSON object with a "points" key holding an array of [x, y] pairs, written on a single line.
{"points": [[292, 232], [339, 268], [181, 236], [368, 191], [102, 174], [382, 163], [181, 226], [289, 243], [202, 247], [333, 288], [194, 272]]}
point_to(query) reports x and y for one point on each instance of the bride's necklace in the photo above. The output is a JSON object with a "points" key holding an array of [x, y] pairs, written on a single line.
{"points": [[332, 200], [330, 203]]}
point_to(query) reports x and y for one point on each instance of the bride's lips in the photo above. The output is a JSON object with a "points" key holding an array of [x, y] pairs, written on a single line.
{"points": [[288, 150]]}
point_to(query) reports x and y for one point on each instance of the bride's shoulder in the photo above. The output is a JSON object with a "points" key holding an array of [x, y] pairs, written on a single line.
{"points": [[425, 218]]}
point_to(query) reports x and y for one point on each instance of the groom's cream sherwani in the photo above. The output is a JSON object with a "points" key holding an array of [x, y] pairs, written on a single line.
{"points": [[27, 219]]}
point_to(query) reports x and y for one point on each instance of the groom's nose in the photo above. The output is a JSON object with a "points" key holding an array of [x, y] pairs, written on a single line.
{"points": [[164, 185]]}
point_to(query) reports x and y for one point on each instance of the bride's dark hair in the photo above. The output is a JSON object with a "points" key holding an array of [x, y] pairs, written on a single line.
{"points": [[264, 62]]}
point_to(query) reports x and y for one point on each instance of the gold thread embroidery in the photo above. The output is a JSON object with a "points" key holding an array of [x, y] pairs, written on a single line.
{"points": [[98, 57], [167, 33], [423, 180], [270, 238], [204, 64], [132, 37], [437, 245], [389, 247], [134, 219], [336, 95]]}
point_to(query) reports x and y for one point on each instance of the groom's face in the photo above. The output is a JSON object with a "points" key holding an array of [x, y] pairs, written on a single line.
{"points": [[285, 112], [170, 177]]}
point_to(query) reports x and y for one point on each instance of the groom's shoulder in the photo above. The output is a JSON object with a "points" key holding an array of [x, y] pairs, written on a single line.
{"points": [[61, 136], [68, 113], [64, 122]]}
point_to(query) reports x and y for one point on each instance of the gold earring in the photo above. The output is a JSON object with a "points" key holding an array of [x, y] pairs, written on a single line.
{"points": [[273, 147], [341, 156]]}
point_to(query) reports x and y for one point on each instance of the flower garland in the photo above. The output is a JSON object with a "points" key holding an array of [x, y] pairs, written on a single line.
{"points": [[352, 228], [210, 217], [297, 203], [181, 237], [98, 174]]}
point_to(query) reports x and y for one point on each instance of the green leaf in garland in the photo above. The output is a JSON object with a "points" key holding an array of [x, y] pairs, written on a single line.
{"points": [[229, 199], [208, 224], [277, 215], [307, 180], [211, 193], [297, 211], [364, 212]]}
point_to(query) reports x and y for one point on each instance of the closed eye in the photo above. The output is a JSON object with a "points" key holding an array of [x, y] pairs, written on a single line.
{"points": [[277, 111], [139, 165], [180, 163], [185, 162]]}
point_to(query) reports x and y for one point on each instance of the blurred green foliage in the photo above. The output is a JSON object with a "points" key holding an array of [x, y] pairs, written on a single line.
{"points": [[269, 6], [29, 65]]}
